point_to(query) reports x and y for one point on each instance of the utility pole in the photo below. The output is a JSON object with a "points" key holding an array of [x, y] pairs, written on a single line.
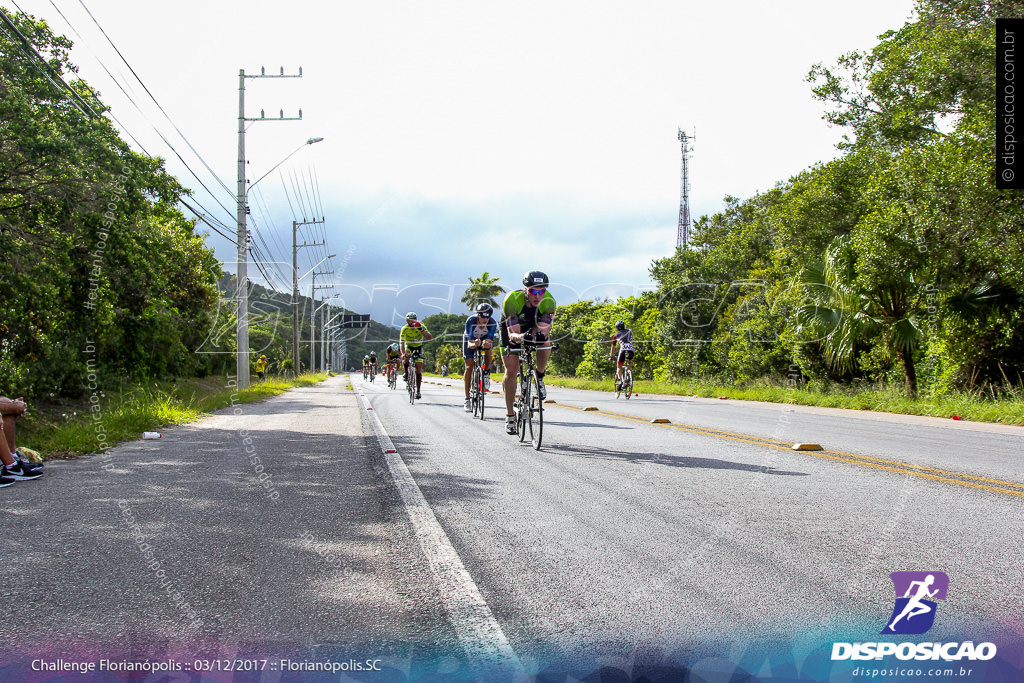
{"points": [[295, 286], [242, 274], [683, 233], [312, 318]]}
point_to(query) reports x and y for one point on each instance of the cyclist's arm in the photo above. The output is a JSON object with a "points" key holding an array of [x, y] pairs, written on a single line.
{"points": [[545, 314], [543, 325]]}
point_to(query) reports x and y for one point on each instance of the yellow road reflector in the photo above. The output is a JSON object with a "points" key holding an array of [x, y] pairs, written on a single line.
{"points": [[550, 400], [661, 421], [590, 408], [807, 447]]}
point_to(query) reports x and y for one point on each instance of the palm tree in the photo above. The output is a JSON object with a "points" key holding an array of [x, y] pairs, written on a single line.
{"points": [[482, 289], [843, 311]]}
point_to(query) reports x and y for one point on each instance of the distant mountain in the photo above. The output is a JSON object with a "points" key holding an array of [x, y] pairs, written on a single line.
{"points": [[268, 302]]}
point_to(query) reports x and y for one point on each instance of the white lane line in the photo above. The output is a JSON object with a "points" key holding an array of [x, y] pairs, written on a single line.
{"points": [[478, 631]]}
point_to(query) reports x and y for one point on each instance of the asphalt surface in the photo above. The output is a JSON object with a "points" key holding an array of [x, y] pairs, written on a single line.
{"points": [[627, 541], [275, 530], [278, 529]]}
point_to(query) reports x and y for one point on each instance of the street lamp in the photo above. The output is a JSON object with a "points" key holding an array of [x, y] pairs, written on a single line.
{"points": [[311, 141], [242, 268], [295, 312]]}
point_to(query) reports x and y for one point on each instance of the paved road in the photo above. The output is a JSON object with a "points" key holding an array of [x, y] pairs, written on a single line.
{"points": [[638, 541], [705, 544], [274, 530]]}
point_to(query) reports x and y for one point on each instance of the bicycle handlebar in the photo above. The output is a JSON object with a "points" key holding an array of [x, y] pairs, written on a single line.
{"points": [[532, 346]]}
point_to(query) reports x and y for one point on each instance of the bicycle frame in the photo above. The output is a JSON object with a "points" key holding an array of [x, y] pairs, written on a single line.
{"points": [[528, 406], [476, 383]]}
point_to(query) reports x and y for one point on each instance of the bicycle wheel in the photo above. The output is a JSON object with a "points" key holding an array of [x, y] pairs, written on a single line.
{"points": [[411, 384], [523, 411], [536, 412], [618, 386], [627, 382], [478, 386]]}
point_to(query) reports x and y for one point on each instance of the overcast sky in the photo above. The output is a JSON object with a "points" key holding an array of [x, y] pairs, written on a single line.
{"points": [[468, 136]]}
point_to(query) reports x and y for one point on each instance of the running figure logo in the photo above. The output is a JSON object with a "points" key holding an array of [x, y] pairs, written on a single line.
{"points": [[914, 612]]}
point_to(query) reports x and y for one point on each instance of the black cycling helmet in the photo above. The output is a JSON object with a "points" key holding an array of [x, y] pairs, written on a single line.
{"points": [[535, 278], [619, 325], [485, 309]]}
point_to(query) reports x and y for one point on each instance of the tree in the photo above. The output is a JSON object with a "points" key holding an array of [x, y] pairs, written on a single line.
{"points": [[103, 274], [842, 311], [483, 289]]}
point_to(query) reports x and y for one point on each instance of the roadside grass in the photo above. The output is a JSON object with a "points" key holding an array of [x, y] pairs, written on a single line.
{"points": [[977, 406], [1007, 408], [68, 428]]}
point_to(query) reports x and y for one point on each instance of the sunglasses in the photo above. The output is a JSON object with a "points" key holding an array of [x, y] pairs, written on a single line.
{"points": [[537, 292]]}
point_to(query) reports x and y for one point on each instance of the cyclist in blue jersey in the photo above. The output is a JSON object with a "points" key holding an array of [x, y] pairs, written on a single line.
{"points": [[480, 330]]}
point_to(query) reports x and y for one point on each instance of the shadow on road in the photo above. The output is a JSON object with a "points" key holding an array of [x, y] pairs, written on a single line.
{"points": [[669, 460]]}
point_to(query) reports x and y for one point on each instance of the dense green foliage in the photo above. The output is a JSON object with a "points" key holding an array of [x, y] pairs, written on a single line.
{"points": [[898, 262], [102, 275]]}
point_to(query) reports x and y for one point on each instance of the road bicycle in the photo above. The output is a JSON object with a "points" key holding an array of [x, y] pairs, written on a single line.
{"points": [[528, 405], [365, 369], [410, 377], [477, 390], [392, 371], [373, 372], [625, 385]]}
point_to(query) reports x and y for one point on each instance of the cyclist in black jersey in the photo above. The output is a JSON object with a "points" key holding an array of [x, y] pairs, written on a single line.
{"points": [[525, 314]]}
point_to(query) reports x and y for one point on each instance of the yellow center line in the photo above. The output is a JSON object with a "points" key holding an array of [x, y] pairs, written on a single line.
{"points": [[951, 477]]}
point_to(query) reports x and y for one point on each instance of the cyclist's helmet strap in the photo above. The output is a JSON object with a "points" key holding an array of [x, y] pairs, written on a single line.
{"points": [[535, 278]]}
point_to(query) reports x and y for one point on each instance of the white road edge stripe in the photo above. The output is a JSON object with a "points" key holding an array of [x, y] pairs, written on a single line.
{"points": [[478, 631]]}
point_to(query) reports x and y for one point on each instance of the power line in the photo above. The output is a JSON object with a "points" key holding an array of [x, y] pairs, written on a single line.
{"points": [[159, 106], [139, 109], [50, 73], [30, 51]]}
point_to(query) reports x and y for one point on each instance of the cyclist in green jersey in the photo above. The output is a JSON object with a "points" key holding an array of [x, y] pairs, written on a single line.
{"points": [[411, 340], [525, 314]]}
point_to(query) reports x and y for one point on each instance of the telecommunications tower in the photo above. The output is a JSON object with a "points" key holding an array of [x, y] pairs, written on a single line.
{"points": [[683, 234]]}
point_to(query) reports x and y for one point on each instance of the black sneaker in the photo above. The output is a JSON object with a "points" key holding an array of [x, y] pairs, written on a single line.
{"points": [[510, 424], [20, 473], [5, 480], [418, 395], [28, 464]]}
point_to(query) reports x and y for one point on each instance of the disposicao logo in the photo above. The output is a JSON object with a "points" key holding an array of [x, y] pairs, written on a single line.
{"points": [[914, 612]]}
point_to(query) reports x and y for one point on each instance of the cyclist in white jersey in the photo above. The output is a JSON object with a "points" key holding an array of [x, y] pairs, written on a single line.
{"points": [[624, 338]]}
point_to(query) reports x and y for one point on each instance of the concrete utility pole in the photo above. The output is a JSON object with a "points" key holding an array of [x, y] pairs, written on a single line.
{"points": [[242, 274], [683, 233], [295, 284], [313, 308]]}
